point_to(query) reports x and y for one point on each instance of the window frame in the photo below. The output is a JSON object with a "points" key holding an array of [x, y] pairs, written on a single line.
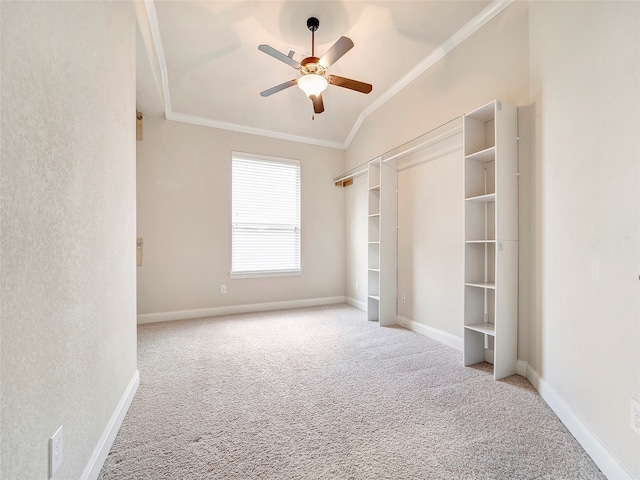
{"points": [[268, 273]]}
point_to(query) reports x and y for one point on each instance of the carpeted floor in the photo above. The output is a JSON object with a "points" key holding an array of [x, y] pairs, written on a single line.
{"points": [[320, 393]]}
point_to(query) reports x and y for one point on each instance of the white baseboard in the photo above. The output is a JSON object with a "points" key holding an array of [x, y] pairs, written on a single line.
{"points": [[229, 310], [356, 303], [99, 455], [438, 335], [605, 461], [521, 368]]}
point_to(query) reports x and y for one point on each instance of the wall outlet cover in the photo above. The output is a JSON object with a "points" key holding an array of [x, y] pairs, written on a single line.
{"points": [[635, 415], [56, 447]]}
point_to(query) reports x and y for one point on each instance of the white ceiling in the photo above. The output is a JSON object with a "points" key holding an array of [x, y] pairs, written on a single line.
{"points": [[213, 72]]}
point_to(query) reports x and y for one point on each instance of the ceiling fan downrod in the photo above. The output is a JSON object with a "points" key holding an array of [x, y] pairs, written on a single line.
{"points": [[312, 24]]}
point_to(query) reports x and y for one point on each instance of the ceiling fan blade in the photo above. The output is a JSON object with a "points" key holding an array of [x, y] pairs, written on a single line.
{"points": [[277, 88], [318, 104], [278, 55], [350, 84], [342, 46]]}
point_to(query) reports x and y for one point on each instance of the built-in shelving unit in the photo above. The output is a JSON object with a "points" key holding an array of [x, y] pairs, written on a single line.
{"points": [[382, 201], [491, 237], [373, 285]]}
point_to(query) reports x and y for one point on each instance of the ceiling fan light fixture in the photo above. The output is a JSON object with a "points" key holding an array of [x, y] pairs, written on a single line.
{"points": [[312, 84], [313, 78]]}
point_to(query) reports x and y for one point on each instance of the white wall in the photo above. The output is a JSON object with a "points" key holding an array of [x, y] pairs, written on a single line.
{"points": [[493, 63], [68, 305], [585, 335], [184, 217]]}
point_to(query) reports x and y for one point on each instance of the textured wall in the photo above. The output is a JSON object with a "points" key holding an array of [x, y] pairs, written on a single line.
{"points": [[184, 218], [585, 74], [68, 345]]}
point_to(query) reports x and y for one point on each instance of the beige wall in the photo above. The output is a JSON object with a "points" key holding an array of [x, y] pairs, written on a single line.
{"points": [[585, 335], [184, 217], [431, 236], [493, 63], [356, 212], [68, 305]]}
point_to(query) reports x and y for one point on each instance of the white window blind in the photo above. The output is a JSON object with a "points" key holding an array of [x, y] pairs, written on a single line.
{"points": [[265, 215]]}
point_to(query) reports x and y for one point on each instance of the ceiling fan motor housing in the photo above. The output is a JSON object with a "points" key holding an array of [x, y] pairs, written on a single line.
{"points": [[312, 65]]}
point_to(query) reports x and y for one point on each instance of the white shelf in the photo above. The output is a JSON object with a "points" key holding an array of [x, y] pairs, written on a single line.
{"points": [[488, 198], [486, 155], [490, 286], [485, 113], [382, 242], [491, 233], [486, 328]]}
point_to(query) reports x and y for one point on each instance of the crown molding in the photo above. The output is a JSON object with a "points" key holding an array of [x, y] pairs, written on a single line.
{"points": [[493, 9], [207, 122], [145, 34], [154, 28]]}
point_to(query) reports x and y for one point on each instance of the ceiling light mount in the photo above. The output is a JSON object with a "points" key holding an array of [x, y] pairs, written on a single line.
{"points": [[313, 23]]}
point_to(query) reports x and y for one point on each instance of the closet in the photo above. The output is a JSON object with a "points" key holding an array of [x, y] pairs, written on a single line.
{"points": [[442, 235]]}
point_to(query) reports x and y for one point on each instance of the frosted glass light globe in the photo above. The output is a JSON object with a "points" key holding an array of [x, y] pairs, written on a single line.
{"points": [[312, 84]]}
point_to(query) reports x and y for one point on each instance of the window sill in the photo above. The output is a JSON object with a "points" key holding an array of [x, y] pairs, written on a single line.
{"points": [[274, 273]]}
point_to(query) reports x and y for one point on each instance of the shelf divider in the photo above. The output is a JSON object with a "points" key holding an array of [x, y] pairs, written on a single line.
{"points": [[486, 155], [486, 328], [487, 198]]}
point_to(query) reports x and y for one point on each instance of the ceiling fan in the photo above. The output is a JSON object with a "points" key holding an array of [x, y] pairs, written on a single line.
{"points": [[314, 78]]}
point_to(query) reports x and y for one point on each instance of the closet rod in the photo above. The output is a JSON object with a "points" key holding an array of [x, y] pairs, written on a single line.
{"points": [[449, 133], [402, 150], [353, 173]]}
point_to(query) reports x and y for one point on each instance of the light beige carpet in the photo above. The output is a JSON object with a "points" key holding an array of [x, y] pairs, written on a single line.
{"points": [[321, 393]]}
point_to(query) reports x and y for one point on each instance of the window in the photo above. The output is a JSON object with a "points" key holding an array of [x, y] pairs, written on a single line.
{"points": [[265, 216]]}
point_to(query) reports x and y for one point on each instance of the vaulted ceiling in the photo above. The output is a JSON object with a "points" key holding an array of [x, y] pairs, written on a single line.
{"points": [[199, 62]]}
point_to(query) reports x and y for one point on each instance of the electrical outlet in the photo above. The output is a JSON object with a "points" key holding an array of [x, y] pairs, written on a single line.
{"points": [[403, 322], [635, 415], [404, 298], [56, 445], [223, 288]]}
